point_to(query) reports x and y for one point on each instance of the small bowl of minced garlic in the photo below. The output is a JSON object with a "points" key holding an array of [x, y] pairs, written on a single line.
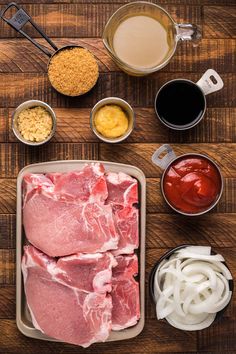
{"points": [[34, 122]]}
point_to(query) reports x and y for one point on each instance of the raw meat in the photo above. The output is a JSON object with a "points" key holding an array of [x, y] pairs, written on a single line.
{"points": [[122, 195], [122, 189], [59, 305], [70, 216], [126, 220], [89, 184], [88, 272], [35, 182], [125, 293], [59, 228]]}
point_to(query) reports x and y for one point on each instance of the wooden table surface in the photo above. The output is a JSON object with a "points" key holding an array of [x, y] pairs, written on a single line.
{"points": [[23, 77]]}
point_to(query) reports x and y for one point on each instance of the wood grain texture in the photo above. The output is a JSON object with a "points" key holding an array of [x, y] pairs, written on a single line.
{"points": [[146, 343], [23, 76], [140, 154], [7, 231], [18, 55], [88, 20], [7, 267], [172, 230], [121, 2], [73, 125], [140, 92], [219, 22], [16, 156], [7, 302], [136, 154]]}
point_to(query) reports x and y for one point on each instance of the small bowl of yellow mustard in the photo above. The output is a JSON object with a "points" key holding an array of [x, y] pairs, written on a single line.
{"points": [[112, 119]]}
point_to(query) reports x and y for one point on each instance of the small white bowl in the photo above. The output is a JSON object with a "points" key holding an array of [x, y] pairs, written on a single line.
{"points": [[30, 104], [126, 108]]}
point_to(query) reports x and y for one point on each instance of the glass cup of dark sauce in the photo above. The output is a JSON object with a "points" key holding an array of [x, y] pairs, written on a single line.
{"points": [[181, 104]]}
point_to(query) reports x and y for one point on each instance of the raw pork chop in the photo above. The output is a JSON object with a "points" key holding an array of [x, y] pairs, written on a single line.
{"points": [[88, 272], [126, 220], [63, 310], [87, 184], [125, 293], [59, 225], [122, 194], [122, 189]]}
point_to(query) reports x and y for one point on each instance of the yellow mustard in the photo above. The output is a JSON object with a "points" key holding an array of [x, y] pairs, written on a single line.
{"points": [[111, 121]]}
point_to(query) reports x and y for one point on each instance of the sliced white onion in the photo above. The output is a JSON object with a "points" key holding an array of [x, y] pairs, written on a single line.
{"points": [[204, 250], [192, 327], [191, 287], [186, 254]]}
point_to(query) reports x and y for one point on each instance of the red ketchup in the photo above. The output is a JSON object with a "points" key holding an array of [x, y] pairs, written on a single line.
{"points": [[192, 184]]}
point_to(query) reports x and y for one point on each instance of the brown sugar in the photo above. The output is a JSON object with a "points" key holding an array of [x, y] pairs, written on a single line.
{"points": [[73, 71]]}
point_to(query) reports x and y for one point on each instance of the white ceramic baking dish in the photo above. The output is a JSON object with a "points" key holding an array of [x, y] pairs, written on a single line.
{"points": [[23, 317]]}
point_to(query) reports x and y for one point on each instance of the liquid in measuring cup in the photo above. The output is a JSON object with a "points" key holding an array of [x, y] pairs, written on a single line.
{"points": [[141, 41]]}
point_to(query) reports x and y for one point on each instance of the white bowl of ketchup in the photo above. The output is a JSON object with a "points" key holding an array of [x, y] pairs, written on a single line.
{"points": [[191, 184]]}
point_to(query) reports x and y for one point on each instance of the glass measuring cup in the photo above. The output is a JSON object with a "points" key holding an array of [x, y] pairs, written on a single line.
{"points": [[175, 32], [19, 19]]}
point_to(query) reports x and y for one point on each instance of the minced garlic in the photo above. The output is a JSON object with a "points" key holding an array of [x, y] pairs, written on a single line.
{"points": [[35, 124]]}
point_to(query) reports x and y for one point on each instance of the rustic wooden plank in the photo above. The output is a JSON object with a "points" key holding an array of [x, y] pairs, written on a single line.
{"points": [[73, 125], [196, 59], [219, 21], [217, 230], [16, 156], [90, 151], [7, 231], [121, 2], [140, 155], [75, 20], [7, 302], [4, 128], [219, 338], [7, 267], [140, 92], [152, 337], [8, 196]]}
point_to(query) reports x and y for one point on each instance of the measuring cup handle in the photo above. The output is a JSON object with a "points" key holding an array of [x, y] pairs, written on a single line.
{"points": [[210, 82], [19, 19], [188, 32], [164, 161]]}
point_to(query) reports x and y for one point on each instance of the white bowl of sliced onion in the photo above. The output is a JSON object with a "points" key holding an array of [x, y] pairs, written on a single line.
{"points": [[191, 287]]}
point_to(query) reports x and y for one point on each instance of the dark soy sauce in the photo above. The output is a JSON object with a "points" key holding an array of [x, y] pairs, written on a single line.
{"points": [[180, 104]]}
